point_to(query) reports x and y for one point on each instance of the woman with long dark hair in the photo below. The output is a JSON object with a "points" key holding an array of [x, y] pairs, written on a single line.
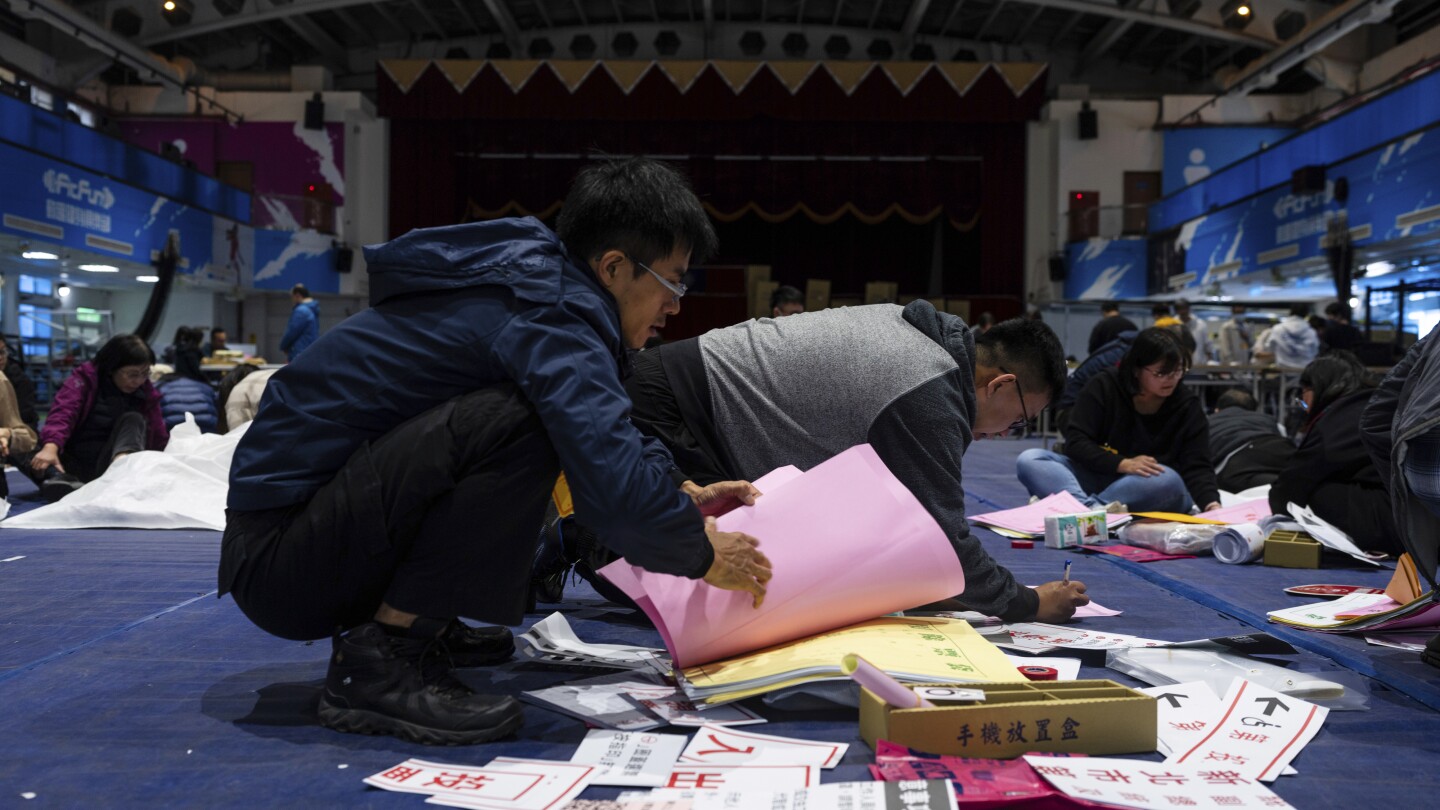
{"points": [[1331, 471], [106, 409], [1137, 439]]}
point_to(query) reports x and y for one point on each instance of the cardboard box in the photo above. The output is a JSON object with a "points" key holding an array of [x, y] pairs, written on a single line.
{"points": [[1076, 717], [817, 294], [1291, 549], [1067, 531], [958, 306], [881, 292], [760, 298]]}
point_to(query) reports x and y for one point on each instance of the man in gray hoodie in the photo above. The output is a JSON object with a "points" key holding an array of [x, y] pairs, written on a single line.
{"points": [[914, 383], [1293, 341]]}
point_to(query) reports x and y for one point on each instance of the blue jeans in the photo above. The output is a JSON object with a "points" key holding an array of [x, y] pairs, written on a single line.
{"points": [[1045, 473]]}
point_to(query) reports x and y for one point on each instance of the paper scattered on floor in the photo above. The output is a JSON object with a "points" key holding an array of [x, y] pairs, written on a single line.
{"points": [[1153, 785], [553, 641], [713, 745], [1184, 713], [629, 758], [1330, 536], [505, 783], [1042, 637], [693, 777], [1259, 733], [934, 794], [634, 701]]}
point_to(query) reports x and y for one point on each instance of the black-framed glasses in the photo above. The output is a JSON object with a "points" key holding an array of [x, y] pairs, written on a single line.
{"points": [[1024, 420], [1173, 374], [677, 290]]}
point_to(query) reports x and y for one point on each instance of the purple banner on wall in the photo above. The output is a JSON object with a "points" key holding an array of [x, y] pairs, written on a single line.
{"points": [[285, 158]]}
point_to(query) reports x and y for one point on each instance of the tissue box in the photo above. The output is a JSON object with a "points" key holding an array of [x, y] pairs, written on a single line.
{"points": [[1076, 717], [1067, 531], [1291, 549]]}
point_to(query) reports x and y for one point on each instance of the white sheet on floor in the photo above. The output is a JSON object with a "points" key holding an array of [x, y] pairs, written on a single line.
{"points": [[182, 488]]}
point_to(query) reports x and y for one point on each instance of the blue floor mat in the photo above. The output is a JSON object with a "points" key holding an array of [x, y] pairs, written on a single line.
{"points": [[126, 683]]}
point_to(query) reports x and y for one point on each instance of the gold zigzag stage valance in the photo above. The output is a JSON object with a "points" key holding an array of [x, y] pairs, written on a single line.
{"points": [[736, 74]]}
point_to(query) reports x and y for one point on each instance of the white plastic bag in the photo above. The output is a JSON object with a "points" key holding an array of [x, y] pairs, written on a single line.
{"points": [[1170, 537]]}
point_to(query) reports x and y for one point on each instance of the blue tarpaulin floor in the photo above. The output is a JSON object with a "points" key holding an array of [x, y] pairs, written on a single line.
{"points": [[125, 682]]}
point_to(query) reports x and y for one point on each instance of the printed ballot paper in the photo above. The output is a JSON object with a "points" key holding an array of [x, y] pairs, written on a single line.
{"points": [[713, 745], [1153, 785], [743, 777], [1030, 519], [935, 794], [506, 783], [629, 758], [633, 701], [1258, 732], [883, 552]]}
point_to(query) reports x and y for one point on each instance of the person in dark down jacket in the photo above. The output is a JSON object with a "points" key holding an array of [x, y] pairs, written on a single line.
{"points": [[1331, 472], [914, 383], [1400, 428], [106, 408], [1247, 445], [397, 473], [1137, 437], [187, 390], [23, 386]]}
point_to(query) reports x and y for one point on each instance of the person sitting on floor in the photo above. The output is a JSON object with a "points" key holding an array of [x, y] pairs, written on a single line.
{"points": [[239, 395], [1331, 471], [1137, 437], [22, 385], [1248, 446], [913, 382], [17, 439], [1400, 430], [107, 408], [187, 390], [397, 474]]}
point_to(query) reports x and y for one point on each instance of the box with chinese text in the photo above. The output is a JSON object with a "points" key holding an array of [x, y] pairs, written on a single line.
{"points": [[1074, 717]]}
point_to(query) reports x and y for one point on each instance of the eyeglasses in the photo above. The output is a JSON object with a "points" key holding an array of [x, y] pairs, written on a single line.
{"points": [[1173, 374], [677, 290], [1024, 420]]}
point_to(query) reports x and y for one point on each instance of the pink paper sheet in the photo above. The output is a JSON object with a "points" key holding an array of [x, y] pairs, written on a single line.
{"points": [[1031, 518], [847, 542], [1137, 554], [1247, 512]]}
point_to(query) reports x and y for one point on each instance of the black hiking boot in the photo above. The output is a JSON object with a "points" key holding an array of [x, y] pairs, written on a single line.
{"points": [[369, 689], [453, 644]]}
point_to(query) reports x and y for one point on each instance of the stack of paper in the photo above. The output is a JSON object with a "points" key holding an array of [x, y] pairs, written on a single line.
{"points": [[914, 650], [633, 701], [551, 640], [847, 541], [1029, 521], [1358, 612]]}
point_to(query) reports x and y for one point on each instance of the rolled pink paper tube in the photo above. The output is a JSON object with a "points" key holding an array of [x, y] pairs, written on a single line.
{"points": [[885, 687]]}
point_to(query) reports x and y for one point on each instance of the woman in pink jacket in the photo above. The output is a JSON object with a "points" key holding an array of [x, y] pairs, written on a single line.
{"points": [[106, 409]]}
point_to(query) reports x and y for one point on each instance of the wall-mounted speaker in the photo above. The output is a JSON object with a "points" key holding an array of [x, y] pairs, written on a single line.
{"points": [[315, 113], [1057, 268], [344, 258], [1089, 123]]}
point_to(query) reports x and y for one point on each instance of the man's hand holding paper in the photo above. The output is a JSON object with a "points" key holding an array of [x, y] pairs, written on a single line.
{"points": [[739, 564], [721, 496], [1058, 600]]}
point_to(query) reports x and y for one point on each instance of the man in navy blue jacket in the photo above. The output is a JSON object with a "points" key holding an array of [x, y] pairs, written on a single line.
{"points": [[396, 475]]}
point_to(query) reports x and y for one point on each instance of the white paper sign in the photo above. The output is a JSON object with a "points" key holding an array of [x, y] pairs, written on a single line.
{"points": [[713, 745], [1184, 713], [1040, 637], [687, 776], [1330, 536], [1259, 732], [1153, 785], [629, 758], [934, 794], [505, 783]]}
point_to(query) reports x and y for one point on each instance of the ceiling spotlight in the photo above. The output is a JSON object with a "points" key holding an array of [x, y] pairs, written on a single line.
{"points": [[148, 279], [63, 290], [178, 12], [43, 255], [1234, 14], [99, 268]]}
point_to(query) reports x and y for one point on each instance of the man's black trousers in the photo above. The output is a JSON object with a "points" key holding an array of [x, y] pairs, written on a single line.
{"points": [[439, 517]]}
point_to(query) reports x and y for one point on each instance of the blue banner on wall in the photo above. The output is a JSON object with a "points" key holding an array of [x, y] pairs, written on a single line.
{"points": [[1106, 269], [1191, 155], [1394, 192], [286, 258], [48, 134], [53, 201]]}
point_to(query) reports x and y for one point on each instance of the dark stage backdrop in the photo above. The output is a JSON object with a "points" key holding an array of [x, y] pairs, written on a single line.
{"points": [[848, 171]]}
